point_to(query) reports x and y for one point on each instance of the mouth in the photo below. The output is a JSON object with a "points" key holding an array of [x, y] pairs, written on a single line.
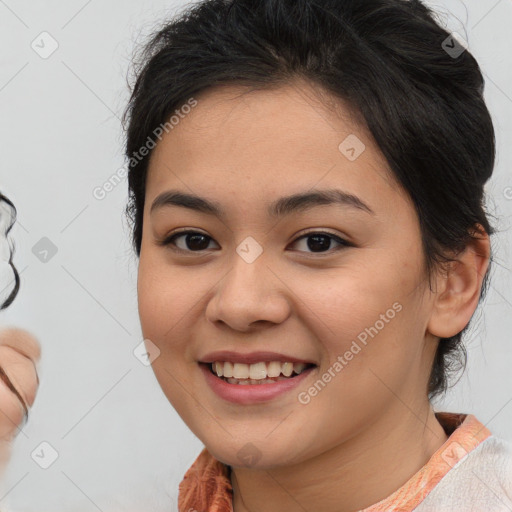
{"points": [[258, 373]]}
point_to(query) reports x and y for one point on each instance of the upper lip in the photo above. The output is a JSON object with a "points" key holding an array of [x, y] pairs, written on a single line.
{"points": [[250, 358]]}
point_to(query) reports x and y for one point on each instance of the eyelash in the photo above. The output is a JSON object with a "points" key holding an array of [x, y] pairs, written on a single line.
{"points": [[169, 241]]}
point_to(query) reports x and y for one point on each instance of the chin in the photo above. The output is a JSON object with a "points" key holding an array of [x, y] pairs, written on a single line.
{"points": [[260, 454]]}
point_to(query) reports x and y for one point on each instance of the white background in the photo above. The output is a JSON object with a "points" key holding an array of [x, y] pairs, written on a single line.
{"points": [[98, 406]]}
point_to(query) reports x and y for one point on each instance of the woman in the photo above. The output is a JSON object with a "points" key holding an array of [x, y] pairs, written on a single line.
{"points": [[306, 191], [307, 197]]}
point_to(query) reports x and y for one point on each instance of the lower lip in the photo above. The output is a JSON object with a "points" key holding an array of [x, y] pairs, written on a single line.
{"points": [[251, 393]]}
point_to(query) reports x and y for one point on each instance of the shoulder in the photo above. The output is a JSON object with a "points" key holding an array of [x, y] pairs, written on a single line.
{"points": [[482, 480], [494, 460]]}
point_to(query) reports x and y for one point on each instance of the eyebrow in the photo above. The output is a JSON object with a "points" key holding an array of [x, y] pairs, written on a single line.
{"points": [[279, 208]]}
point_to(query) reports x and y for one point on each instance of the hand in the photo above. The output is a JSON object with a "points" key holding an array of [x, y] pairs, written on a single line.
{"points": [[19, 354]]}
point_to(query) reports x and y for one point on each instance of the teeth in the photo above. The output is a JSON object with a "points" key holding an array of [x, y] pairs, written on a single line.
{"points": [[228, 369], [274, 369], [298, 367], [240, 371], [287, 369], [256, 372], [251, 381], [219, 368]]}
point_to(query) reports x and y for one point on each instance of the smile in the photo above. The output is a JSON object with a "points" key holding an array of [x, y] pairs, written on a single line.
{"points": [[245, 390], [257, 373]]}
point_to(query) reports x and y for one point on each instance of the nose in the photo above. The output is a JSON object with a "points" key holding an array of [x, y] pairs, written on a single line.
{"points": [[250, 294]]}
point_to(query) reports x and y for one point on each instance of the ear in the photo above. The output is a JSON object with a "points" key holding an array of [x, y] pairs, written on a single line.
{"points": [[458, 288]]}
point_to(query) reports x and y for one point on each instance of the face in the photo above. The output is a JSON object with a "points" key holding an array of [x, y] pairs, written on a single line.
{"points": [[337, 284]]}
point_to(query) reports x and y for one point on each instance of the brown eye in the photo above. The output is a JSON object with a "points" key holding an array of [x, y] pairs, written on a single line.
{"points": [[194, 241], [318, 242]]}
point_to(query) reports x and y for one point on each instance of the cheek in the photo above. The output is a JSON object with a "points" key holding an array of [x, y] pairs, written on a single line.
{"points": [[361, 320], [170, 307], [346, 301], [365, 316], [166, 297], [166, 308]]}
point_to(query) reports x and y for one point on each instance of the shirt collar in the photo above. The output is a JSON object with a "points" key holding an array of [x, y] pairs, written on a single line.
{"points": [[207, 483]]}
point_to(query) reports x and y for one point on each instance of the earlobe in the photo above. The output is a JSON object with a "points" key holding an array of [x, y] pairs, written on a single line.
{"points": [[459, 286]]}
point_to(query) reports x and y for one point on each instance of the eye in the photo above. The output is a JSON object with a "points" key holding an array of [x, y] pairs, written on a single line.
{"points": [[195, 241], [321, 241]]}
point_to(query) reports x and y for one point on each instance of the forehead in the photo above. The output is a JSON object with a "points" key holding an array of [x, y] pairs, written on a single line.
{"points": [[241, 141], [291, 118]]}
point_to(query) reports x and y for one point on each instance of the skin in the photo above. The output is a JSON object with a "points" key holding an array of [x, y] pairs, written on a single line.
{"points": [[19, 354], [243, 150]]}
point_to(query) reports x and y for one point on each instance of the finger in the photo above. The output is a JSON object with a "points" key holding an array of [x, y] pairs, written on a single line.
{"points": [[22, 341], [5, 378], [12, 413], [20, 373]]}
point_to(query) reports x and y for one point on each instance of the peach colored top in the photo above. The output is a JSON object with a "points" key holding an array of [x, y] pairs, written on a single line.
{"points": [[206, 485]]}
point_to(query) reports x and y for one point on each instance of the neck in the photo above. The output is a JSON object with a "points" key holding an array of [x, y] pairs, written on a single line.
{"points": [[358, 473]]}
